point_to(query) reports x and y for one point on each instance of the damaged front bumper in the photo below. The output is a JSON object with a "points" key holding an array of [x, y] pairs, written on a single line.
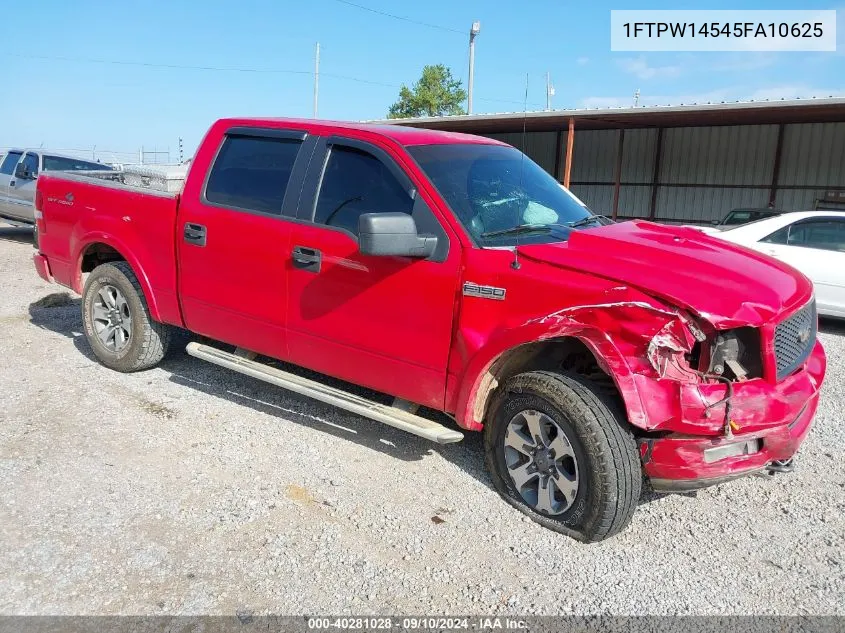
{"points": [[769, 422]]}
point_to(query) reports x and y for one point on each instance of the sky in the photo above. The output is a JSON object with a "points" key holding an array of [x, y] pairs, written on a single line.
{"points": [[112, 77]]}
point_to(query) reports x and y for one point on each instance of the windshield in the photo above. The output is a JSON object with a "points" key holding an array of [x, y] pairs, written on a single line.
{"points": [[744, 216], [501, 196]]}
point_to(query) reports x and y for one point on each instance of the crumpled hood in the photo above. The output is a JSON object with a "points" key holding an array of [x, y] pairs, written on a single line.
{"points": [[726, 284]]}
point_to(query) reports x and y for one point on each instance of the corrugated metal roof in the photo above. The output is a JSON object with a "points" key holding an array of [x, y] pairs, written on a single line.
{"points": [[813, 110]]}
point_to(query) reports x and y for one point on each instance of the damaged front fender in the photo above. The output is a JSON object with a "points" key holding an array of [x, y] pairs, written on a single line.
{"points": [[640, 342]]}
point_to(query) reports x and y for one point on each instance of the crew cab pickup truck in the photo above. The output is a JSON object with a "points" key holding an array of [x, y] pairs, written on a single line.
{"points": [[452, 273], [19, 171]]}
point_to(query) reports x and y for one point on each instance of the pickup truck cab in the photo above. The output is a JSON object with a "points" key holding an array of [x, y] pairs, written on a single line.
{"points": [[19, 171], [451, 272]]}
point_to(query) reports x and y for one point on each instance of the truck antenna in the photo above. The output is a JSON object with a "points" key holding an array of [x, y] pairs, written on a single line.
{"points": [[515, 263]]}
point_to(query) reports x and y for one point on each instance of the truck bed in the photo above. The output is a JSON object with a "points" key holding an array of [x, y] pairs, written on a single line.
{"points": [[81, 213]]}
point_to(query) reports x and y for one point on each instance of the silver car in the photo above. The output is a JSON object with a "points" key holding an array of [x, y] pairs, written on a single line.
{"points": [[19, 171]]}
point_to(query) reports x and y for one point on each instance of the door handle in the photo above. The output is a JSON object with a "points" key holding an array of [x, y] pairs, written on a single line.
{"points": [[306, 258], [194, 234]]}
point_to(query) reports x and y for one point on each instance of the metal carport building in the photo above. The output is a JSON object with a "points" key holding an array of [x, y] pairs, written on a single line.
{"points": [[686, 163]]}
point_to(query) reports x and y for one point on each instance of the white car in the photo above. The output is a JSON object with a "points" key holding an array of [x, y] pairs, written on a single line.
{"points": [[811, 241]]}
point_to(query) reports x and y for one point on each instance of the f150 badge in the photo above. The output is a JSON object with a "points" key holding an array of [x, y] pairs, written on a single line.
{"points": [[485, 292]]}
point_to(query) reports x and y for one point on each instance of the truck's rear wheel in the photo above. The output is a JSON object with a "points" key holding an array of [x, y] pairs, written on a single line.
{"points": [[558, 450], [117, 322]]}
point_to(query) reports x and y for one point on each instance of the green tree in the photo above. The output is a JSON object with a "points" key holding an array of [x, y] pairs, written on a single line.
{"points": [[437, 93]]}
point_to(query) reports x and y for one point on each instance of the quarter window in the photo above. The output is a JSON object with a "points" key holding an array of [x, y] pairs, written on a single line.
{"points": [[781, 236], [252, 173], [63, 163], [356, 182], [7, 167]]}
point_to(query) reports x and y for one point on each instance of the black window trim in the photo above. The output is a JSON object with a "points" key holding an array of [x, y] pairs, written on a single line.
{"points": [[262, 132], [789, 227], [300, 167], [308, 206]]}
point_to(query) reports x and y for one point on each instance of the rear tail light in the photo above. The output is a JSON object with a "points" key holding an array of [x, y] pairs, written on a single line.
{"points": [[40, 225]]}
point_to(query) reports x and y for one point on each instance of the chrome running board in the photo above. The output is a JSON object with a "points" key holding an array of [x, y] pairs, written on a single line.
{"points": [[392, 416]]}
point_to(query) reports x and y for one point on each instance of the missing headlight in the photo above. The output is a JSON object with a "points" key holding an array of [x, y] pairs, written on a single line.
{"points": [[735, 354]]}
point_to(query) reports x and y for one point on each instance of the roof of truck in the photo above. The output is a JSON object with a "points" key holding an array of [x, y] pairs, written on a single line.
{"points": [[401, 134]]}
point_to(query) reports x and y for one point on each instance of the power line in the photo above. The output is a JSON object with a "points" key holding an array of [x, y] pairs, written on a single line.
{"points": [[360, 81], [156, 65], [399, 17], [120, 62]]}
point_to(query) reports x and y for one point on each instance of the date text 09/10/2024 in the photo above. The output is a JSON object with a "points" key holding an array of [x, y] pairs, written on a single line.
{"points": [[478, 623]]}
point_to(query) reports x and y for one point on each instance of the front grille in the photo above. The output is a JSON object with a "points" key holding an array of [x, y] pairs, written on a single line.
{"points": [[794, 339]]}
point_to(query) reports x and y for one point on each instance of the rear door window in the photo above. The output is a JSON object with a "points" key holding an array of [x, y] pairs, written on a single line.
{"points": [[356, 182], [252, 173], [825, 234], [7, 167]]}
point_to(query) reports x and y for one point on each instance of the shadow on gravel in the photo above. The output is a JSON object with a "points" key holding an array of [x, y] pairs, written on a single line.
{"points": [[832, 326], [19, 234], [60, 313]]}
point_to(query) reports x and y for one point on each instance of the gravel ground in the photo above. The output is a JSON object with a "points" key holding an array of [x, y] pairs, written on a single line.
{"points": [[188, 489]]}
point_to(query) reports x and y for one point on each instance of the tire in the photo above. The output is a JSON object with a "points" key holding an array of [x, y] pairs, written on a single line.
{"points": [[596, 460], [139, 342]]}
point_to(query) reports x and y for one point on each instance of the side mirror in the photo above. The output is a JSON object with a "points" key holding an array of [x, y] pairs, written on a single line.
{"points": [[392, 234], [22, 173], [715, 222]]}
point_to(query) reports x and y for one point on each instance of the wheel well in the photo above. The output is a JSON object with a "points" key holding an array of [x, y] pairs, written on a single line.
{"points": [[99, 253], [567, 354]]}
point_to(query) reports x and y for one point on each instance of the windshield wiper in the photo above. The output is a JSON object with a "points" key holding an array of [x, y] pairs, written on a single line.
{"points": [[584, 221], [523, 228]]}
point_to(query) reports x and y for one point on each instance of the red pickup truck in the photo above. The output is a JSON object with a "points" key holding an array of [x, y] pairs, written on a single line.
{"points": [[451, 272]]}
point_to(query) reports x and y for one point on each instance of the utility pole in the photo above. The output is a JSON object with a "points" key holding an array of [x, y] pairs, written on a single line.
{"points": [[637, 97], [474, 30], [180, 150], [550, 92], [316, 78]]}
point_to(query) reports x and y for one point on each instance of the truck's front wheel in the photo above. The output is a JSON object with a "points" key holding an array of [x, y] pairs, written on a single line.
{"points": [[117, 321], [558, 450]]}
